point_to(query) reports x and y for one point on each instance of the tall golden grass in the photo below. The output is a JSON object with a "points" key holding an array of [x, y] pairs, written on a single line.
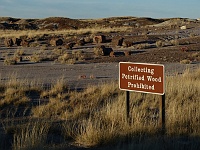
{"points": [[33, 33], [97, 117]]}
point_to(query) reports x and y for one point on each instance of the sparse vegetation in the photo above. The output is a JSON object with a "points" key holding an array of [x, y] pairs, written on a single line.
{"points": [[185, 61], [96, 116], [10, 61], [160, 43], [50, 115], [33, 33], [175, 42]]}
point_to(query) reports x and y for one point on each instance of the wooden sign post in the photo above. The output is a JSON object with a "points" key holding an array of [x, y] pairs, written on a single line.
{"points": [[145, 78]]}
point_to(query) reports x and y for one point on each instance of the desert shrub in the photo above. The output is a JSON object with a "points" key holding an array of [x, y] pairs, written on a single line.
{"points": [[44, 47], [102, 50], [192, 35], [185, 61], [143, 46], [19, 52], [88, 39], [78, 55], [160, 43], [66, 59], [39, 56], [36, 58], [10, 61], [98, 50], [34, 44], [175, 42], [58, 52], [195, 56]]}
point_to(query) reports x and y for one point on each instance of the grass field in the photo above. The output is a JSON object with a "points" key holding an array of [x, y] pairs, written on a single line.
{"points": [[34, 33], [96, 117]]}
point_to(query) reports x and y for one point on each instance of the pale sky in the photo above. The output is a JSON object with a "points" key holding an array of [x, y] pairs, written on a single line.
{"points": [[86, 9]]}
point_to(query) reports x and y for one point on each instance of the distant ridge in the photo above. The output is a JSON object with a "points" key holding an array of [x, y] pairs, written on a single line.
{"points": [[61, 23]]}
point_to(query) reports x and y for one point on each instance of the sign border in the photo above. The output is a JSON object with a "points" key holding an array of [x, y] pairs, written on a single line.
{"points": [[144, 64]]}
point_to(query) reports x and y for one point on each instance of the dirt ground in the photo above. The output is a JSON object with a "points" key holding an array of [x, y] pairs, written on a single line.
{"points": [[100, 69], [92, 73]]}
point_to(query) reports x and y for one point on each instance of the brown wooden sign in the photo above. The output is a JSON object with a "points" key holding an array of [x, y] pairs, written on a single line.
{"points": [[142, 77]]}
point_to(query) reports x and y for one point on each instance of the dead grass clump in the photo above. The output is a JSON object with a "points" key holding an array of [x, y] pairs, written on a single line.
{"points": [[143, 46], [34, 44], [14, 93], [58, 51], [19, 52], [66, 59], [39, 56], [57, 106], [55, 109], [174, 42], [195, 56], [56, 90], [31, 136], [8, 42], [71, 58], [160, 43], [102, 50], [78, 55], [10, 61], [36, 58], [185, 61]]}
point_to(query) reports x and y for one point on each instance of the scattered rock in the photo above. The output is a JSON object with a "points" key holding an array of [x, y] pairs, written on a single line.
{"points": [[56, 42]]}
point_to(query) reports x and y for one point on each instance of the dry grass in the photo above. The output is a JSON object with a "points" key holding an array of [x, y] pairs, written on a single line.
{"points": [[185, 61], [14, 92], [96, 116], [31, 136], [160, 43], [175, 42], [75, 56], [31, 33], [10, 61]]}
